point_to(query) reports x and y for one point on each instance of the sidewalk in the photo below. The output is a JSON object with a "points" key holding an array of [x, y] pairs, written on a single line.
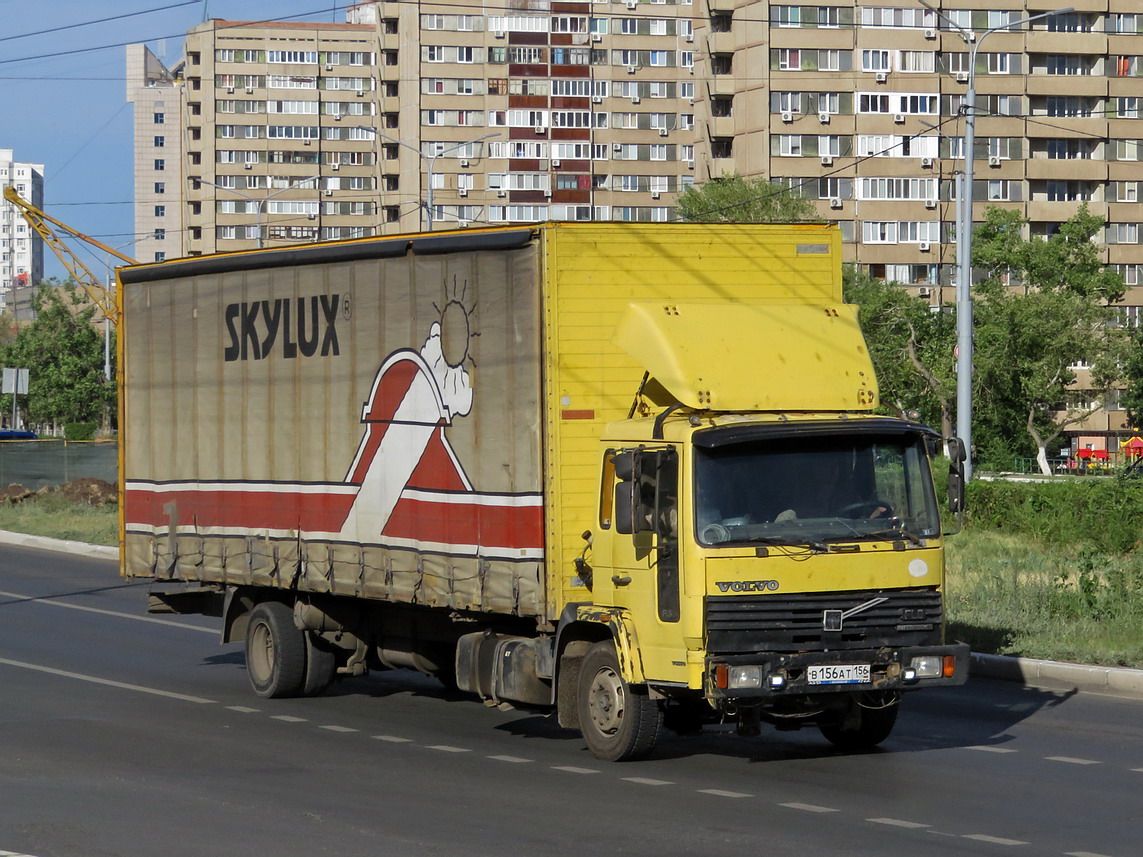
{"points": [[1049, 675]]}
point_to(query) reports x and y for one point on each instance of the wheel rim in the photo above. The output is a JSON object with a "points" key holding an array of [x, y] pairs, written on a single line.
{"points": [[261, 653], [607, 701]]}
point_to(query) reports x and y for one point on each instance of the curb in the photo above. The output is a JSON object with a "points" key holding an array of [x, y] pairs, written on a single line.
{"points": [[1050, 675], [1054, 675], [23, 540]]}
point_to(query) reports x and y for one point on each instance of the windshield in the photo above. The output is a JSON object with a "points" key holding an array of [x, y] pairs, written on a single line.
{"points": [[807, 490]]}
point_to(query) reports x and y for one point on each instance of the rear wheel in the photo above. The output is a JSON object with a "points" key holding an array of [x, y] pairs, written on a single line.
{"points": [[321, 666], [867, 723], [618, 722], [275, 651]]}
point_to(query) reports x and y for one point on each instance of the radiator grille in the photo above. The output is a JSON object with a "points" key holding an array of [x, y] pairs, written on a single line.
{"points": [[795, 623]]}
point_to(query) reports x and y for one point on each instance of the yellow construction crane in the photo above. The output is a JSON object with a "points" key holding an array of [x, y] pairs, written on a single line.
{"points": [[43, 224]]}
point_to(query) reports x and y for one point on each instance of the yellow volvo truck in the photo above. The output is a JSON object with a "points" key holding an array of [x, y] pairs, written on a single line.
{"points": [[628, 473]]}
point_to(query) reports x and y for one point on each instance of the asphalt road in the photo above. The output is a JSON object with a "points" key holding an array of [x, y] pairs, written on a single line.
{"points": [[123, 735]]}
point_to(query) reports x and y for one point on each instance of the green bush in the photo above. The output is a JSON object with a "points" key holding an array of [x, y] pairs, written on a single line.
{"points": [[80, 431], [1103, 515]]}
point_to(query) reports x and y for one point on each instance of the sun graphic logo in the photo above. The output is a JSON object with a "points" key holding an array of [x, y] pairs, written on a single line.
{"points": [[448, 351]]}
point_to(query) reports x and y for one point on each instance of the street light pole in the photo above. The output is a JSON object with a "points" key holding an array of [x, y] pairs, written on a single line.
{"points": [[259, 202], [431, 164], [964, 231]]}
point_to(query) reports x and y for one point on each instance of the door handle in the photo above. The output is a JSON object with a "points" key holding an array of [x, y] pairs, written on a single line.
{"points": [[620, 581]]}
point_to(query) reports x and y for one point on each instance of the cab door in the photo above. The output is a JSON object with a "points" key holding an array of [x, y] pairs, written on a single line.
{"points": [[641, 546]]}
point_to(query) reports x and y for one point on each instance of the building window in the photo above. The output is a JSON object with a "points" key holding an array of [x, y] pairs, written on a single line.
{"points": [[159, 142], [159, 118], [160, 164], [160, 187], [160, 211]]}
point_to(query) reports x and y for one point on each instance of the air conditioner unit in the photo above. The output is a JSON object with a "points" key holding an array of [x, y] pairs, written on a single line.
{"points": [[632, 4], [539, 129], [663, 132], [230, 90], [923, 246], [835, 202], [930, 203], [329, 67], [597, 99], [462, 224], [827, 160], [930, 34], [328, 192], [555, 162], [547, 194], [993, 160], [617, 147], [250, 166], [462, 191], [690, 165], [899, 118], [360, 93], [635, 99], [499, 34], [502, 193], [926, 163], [690, 101], [631, 69], [464, 163], [335, 166], [962, 77], [597, 37], [787, 116], [881, 76], [654, 194], [823, 118], [924, 292]]}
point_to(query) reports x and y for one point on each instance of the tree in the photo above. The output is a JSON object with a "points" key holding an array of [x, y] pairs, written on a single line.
{"points": [[911, 347], [64, 355], [1132, 398], [734, 199], [1026, 339]]}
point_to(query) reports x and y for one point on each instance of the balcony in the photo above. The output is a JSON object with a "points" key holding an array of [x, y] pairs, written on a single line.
{"points": [[1083, 169]]}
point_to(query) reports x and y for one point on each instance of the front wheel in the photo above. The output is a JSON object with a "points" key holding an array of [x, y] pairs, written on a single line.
{"points": [[275, 651], [618, 722], [867, 723]]}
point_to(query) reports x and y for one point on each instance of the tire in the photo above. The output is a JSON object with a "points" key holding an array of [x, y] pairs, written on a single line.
{"points": [[275, 651], [321, 666], [618, 722], [862, 727]]}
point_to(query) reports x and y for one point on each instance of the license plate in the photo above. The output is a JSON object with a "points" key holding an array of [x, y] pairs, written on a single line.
{"points": [[838, 674]]}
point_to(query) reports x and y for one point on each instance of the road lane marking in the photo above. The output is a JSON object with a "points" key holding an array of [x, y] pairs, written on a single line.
{"points": [[986, 748], [1071, 760], [994, 840], [1083, 854], [647, 781], [286, 718], [242, 709], [339, 729], [897, 822], [51, 602], [721, 793], [808, 807], [446, 748], [571, 769], [393, 739], [154, 691], [516, 760]]}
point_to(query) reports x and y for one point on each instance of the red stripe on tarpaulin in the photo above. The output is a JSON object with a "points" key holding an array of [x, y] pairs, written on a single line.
{"points": [[515, 527], [391, 391], [436, 471], [252, 509]]}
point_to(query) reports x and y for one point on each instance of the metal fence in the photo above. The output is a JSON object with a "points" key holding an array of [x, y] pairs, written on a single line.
{"points": [[39, 463]]}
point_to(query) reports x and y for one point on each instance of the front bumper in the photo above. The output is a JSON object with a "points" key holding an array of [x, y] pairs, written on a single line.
{"points": [[788, 675]]}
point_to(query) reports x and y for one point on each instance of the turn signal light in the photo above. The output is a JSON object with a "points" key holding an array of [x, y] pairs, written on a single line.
{"points": [[722, 676], [950, 666]]}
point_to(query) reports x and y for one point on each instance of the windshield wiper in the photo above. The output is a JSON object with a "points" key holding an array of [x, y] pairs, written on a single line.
{"points": [[887, 532], [776, 541]]}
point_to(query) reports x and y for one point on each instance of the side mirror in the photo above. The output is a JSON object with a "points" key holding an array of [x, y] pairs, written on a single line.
{"points": [[624, 521], [956, 475]]}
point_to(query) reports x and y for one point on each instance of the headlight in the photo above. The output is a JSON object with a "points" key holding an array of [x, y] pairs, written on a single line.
{"points": [[744, 678], [928, 666]]}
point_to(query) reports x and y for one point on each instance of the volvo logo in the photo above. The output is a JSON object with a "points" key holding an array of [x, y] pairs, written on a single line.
{"points": [[746, 585], [834, 620]]}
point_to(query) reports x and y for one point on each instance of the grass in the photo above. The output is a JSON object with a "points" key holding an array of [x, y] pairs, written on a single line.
{"points": [[58, 517], [1009, 594]]}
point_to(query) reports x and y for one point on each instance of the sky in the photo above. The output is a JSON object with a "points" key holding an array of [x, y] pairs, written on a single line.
{"points": [[63, 96]]}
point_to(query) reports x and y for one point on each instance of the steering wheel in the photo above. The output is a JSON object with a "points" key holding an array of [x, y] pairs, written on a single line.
{"points": [[867, 509]]}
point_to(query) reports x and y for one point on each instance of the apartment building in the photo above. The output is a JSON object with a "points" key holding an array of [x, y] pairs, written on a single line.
{"points": [[156, 98], [451, 114], [21, 249]]}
